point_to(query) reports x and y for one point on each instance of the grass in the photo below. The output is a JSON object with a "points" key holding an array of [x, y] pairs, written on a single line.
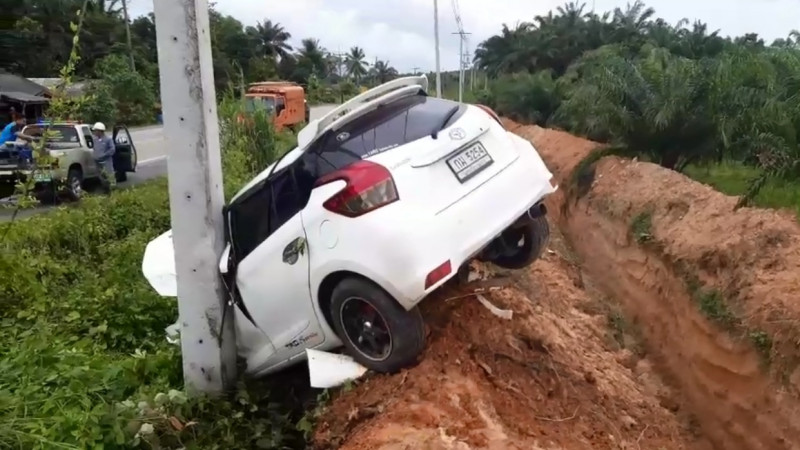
{"points": [[642, 227], [733, 178]]}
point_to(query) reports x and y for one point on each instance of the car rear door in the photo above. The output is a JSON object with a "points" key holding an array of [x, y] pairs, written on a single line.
{"points": [[89, 166], [125, 158], [272, 263]]}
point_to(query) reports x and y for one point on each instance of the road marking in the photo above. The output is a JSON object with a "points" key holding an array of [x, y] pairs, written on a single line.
{"points": [[151, 160]]}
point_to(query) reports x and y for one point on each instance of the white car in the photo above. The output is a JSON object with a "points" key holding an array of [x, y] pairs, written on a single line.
{"points": [[384, 200]]}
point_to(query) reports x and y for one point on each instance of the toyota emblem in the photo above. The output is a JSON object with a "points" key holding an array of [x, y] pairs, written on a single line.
{"points": [[457, 134]]}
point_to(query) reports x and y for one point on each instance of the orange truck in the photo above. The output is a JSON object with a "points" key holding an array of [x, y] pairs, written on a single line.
{"points": [[285, 100]]}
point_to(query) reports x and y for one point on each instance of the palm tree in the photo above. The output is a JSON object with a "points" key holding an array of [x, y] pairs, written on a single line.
{"points": [[356, 67], [383, 72], [273, 39], [311, 59]]}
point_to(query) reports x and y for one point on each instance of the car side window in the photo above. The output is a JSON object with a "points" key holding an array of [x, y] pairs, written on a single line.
{"points": [[123, 138], [257, 215], [87, 134]]}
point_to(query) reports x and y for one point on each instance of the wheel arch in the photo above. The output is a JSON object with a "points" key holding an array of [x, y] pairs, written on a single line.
{"points": [[329, 283], [75, 165]]}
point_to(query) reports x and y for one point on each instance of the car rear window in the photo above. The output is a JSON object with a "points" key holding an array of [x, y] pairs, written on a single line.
{"points": [[400, 122], [62, 134]]}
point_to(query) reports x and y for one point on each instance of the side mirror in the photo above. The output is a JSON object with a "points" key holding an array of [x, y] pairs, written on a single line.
{"points": [[224, 260]]}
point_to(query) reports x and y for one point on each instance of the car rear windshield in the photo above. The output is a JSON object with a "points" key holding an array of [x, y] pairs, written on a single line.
{"points": [[398, 123], [61, 134]]}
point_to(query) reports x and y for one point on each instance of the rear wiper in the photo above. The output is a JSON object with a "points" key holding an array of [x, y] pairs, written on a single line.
{"points": [[447, 118]]}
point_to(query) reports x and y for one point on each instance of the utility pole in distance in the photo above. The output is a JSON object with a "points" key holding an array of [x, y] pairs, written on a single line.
{"points": [[436, 39], [191, 130], [128, 33], [461, 36], [415, 69]]}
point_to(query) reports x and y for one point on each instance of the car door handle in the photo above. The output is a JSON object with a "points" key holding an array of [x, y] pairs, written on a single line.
{"points": [[292, 251]]}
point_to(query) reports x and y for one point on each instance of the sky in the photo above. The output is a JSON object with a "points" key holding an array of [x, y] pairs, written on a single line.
{"points": [[402, 31]]}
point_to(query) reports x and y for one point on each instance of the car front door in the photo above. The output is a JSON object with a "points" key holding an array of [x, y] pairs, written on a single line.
{"points": [[125, 157], [269, 242]]}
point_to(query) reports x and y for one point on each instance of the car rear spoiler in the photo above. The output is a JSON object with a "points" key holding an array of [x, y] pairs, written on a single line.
{"points": [[360, 102]]}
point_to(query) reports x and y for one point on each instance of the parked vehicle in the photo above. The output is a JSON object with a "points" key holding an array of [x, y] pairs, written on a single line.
{"points": [[284, 99], [71, 146], [384, 199]]}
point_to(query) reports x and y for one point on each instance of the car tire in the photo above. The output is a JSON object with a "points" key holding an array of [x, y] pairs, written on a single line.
{"points": [[74, 187], [121, 177], [364, 314], [534, 237]]}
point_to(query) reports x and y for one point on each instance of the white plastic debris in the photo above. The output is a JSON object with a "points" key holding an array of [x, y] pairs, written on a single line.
{"points": [[158, 265], [174, 333], [501, 313], [328, 370]]}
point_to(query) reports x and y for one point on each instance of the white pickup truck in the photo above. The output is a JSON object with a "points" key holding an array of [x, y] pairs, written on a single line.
{"points": [[70, 144]]}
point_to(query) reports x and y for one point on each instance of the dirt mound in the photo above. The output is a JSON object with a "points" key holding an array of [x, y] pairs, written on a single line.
{"points": [[713, 290], [552, 377]]}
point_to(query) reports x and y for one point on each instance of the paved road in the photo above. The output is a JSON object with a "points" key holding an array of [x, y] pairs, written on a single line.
{"points": [[152, 152]]}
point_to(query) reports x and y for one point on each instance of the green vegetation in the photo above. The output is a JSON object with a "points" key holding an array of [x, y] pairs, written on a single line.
{"points": [[37, 38], [642, 227], [84, 362], [677, 95]]}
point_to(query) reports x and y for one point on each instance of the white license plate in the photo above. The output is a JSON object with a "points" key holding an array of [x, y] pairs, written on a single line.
{"points": [[40, 177], [469, 162]]}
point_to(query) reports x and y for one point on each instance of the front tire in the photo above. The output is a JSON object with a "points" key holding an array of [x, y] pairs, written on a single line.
{"points": [[523, 245], [374, 328], [74, 187]]}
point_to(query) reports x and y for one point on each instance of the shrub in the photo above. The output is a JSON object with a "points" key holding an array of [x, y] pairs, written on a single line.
{"points": [[525, 97], [83, 358]]}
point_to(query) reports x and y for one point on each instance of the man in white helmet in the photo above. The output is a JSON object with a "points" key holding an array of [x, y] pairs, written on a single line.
{"points": [[103, 153]]}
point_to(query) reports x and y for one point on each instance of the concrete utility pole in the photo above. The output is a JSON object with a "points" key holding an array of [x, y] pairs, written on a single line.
{"points": [[196, 199], [436, 39], [461, 35]]}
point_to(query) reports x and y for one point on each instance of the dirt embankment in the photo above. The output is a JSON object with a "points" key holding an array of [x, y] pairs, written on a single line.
{"points": [[552, 377], [662, 320], [714, 292]]}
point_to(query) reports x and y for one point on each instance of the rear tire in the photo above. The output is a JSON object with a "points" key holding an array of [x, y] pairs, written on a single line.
{"points": [[525, 244], [374, 328]]}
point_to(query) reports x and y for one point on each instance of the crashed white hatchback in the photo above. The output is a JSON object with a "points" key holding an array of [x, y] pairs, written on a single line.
{"points": [[385, 198]]}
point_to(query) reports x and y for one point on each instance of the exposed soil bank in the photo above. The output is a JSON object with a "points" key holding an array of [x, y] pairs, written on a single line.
{"points": [[552, 377], [714, 292]]}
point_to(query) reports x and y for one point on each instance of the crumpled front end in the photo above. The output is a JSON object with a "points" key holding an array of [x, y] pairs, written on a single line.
{"points": [[158, 265]]}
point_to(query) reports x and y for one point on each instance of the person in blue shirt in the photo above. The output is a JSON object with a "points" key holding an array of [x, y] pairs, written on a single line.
{"points": [[103, 150], [13, 129]]}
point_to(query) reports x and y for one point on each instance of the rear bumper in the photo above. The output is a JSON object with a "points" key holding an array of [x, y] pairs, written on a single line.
{"points": [[467, 227]]}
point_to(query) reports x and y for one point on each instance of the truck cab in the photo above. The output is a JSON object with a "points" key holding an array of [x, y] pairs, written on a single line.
{"points": [[70, 145], [286, 101]]}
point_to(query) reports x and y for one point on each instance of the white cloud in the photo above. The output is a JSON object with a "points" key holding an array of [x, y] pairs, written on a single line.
{"points": [[401, 31]]}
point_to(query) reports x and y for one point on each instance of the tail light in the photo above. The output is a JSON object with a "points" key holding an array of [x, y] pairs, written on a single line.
{"points": [[369, 186], [491, 112], [438, 274]]}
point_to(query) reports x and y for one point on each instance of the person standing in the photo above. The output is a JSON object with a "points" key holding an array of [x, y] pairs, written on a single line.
{"points": [[103, 154], [13, 130]]}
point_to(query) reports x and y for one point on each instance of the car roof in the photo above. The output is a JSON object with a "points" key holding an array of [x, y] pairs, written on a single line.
{"points": [[339, 116]]}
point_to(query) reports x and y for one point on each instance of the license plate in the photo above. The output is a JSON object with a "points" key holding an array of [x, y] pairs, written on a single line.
{"points": [[40, 177], [469, 162]]}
